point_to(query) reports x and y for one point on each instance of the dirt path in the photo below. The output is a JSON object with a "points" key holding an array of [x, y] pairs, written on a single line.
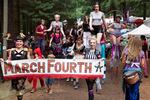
{"points": [[64, 91]]}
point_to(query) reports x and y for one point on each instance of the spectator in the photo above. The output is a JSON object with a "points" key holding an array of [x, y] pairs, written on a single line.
{"points": [[78, 54], [144, 45], [86, 31], [41, 35], [49, 81]]}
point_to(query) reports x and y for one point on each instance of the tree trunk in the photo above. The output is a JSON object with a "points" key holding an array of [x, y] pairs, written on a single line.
{"points": [[124, 11], [114, 15], [13, 20], [1, 26], [5, 27], [1, 18], [144, 10]]}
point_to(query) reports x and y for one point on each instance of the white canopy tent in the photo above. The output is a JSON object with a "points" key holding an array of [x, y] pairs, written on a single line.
{"points": [[141, 30], [147, 22]]}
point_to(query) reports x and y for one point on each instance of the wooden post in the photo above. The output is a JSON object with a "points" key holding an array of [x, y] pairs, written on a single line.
{"points": [[5, 27]]}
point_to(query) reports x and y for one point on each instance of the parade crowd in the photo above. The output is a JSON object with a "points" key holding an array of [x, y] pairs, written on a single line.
{"points": [[87, 40]]}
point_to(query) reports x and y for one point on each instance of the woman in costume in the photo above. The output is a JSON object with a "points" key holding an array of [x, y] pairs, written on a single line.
{"points": [[92, 53], [19, 53], [133, 59], [78, 54], [115, 35]]}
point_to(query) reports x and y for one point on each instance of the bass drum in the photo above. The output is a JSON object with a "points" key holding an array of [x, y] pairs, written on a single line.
{"points": [[131, 77]]}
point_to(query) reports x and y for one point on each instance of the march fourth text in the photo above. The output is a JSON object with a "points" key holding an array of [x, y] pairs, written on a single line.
{"points": [[54, 68]]}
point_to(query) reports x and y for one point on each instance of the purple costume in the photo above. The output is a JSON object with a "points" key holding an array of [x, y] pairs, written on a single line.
{"points": [[116, 51], [115, 55], [117, 29]]}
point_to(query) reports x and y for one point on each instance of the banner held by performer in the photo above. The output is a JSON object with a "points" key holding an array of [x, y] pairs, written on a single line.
{"points": [[56, 68]]}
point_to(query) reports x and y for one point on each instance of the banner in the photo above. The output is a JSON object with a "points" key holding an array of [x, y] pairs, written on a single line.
{"points": [[54, 68]]}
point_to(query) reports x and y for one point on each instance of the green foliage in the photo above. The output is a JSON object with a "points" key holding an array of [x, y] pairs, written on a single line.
{"points": [[73, 9], [135, 6], [37, 8], [68, 9]]}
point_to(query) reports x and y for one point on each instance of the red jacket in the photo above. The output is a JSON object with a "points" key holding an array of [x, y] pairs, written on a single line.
{"points": [[39, 28]]}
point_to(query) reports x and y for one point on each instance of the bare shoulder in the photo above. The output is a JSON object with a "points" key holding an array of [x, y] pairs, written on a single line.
{"points": [[26, 49], [12, 49]]}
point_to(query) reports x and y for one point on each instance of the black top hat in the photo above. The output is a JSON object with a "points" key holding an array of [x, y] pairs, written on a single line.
{"points": [[19, 38]]}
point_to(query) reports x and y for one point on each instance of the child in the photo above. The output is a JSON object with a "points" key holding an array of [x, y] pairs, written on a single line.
{"points": [[49, 81], [37, 55], [56, 43], [68, 50]]}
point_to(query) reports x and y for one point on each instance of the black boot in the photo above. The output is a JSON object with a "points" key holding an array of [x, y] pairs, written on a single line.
{"points": [[19, 97], [91, 95]]}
